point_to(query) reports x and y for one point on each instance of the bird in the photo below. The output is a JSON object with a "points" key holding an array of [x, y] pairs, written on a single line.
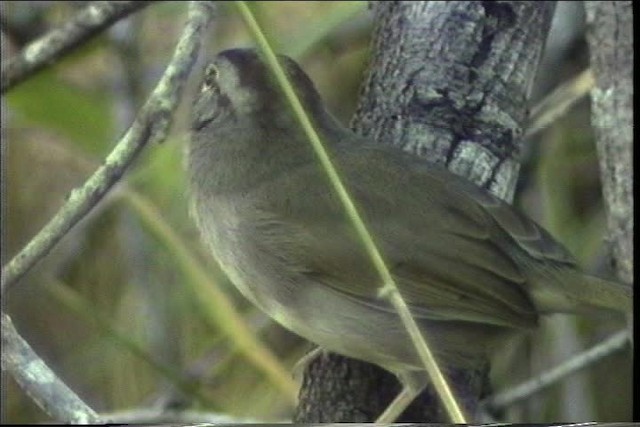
{"points": [[472, 269]]}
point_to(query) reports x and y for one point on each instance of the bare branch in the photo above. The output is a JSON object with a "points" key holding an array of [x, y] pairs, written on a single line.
{"points": [[163, 416], [558, 102], [151, 125], [614, 343], [40, 383], [90, 21]]}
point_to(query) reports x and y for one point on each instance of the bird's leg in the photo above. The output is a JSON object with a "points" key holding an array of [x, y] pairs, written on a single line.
{"points": [[412, 384]]}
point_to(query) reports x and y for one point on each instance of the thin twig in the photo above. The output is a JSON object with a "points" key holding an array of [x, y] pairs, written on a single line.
{"points": [[558, 102], [507, 398], [151, 125], [39, 382], [90, 21], [188, 417]]}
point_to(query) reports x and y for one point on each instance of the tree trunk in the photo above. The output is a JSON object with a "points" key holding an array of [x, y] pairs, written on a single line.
{"points": [[610, 38], [449, 82]]}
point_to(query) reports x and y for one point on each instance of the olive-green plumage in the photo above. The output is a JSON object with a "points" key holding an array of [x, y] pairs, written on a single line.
{"points": [[471, 268]]}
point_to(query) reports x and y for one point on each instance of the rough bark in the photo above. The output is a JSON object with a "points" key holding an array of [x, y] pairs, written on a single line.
{"points": [[610, 38], [448, 81]]}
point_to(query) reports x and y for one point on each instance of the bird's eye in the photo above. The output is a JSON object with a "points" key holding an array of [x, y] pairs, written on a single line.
{"points": [[210, 78]]}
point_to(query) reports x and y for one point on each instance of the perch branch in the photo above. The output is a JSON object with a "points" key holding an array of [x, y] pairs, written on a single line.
{"points": [[90, 21]]}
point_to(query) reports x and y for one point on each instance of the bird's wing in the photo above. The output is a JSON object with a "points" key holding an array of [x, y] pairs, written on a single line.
{"points": [[529, 236], [445, 257]]}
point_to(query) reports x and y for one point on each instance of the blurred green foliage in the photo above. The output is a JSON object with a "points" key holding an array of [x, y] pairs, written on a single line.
{"points": [[123, 307]]}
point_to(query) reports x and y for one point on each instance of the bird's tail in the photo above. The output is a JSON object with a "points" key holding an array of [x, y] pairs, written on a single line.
{"points": [[575, 292], [605, 294]]}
